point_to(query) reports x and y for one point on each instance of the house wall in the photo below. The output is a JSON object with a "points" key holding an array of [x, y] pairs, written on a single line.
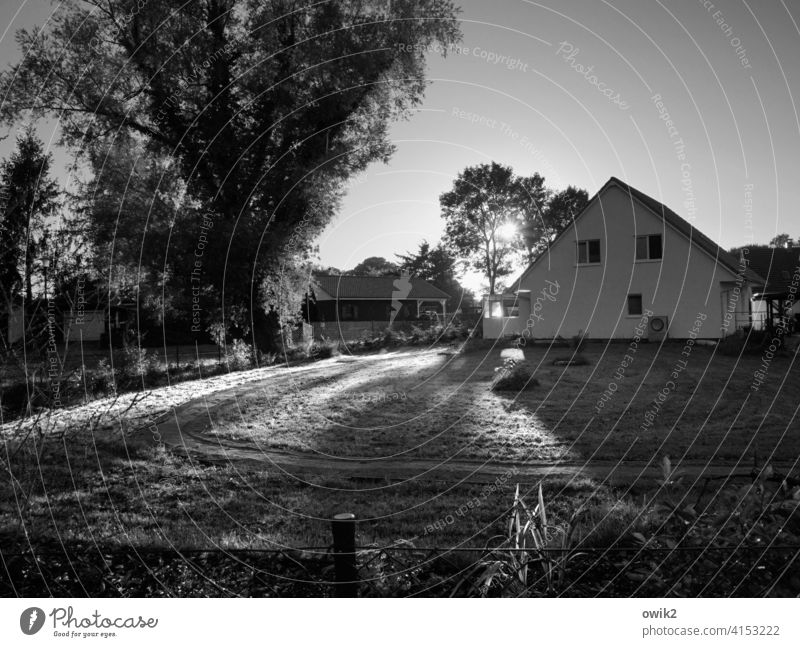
{"points": [[16, 326], [90, 326], [567, 298], [366, 310]]}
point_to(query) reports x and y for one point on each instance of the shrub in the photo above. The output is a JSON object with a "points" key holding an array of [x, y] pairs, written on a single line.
{"points": [[239, 355], [296, 354], [102, 379], [266, 359], [135, 362], [513, 375], [393, 337], [323, 349]]}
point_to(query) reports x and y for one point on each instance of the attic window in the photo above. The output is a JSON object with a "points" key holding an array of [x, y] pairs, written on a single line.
{"points": [[588, 251], [648, 248]]}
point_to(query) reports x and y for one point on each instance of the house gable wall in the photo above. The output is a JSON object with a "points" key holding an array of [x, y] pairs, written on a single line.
{"points": [[593, 298]]}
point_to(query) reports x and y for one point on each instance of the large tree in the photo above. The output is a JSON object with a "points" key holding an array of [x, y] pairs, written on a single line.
{"points": [[438, 266], [781, 240], [535, 196], [266, 109], [135, 200], [562, 209], [483, 213], [28, 195], [374, 266], [549, 214]]}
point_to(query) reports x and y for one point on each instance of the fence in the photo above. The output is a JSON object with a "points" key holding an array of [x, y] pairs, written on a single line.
{"points": [[345, 569]]}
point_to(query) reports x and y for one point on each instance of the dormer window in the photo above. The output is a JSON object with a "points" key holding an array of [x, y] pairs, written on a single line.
{"points": [[648, 248], [588, 251]]}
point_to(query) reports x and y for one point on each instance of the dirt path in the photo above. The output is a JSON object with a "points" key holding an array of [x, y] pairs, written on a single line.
{"points": [[190, 430]]}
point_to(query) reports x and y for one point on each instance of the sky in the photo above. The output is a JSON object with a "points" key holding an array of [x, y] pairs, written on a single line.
{"points": [[693, 102]]}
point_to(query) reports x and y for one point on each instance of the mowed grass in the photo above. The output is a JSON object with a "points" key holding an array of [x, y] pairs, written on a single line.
{"points": [[115, 489], [119, 491], [705, 410], [427, 405]]}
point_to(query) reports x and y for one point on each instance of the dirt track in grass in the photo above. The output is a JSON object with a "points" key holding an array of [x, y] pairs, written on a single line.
{"points": [[409, 413]]}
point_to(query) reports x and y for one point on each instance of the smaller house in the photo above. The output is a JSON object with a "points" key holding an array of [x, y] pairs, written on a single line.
{"points": [[775, 303], [69, 323], [350, 307]]}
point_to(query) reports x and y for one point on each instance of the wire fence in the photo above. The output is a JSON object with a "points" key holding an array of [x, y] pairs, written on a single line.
{"points": [[341, 568]]}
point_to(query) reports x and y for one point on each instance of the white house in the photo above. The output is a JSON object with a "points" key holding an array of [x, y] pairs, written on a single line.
{"points": [[628, 266]]}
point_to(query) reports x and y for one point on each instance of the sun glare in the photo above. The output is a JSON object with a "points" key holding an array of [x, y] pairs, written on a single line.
{"points": [[507, 231]]}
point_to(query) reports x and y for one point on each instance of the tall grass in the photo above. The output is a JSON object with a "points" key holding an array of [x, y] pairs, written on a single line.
{"points": [[533, 556]]}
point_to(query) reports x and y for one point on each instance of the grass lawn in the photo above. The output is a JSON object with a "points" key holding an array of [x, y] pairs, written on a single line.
{"points": [[111, 488], [123, 491], [439, 406]]}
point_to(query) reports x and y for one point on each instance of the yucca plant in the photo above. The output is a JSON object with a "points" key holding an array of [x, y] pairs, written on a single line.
{"points": [[532, 559]]}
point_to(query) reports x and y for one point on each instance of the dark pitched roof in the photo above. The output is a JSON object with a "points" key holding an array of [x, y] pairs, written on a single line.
{"points": [[778, 265], [375, 287], [724, 258]]}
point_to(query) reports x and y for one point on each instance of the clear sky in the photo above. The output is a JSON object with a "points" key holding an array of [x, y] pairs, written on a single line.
{"points": [[519, 91]]}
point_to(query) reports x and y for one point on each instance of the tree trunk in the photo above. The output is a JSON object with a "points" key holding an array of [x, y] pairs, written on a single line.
{"points": [[28, 273], [266, 331]]}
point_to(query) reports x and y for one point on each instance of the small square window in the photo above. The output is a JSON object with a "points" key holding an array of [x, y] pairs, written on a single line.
{"points": [[634, 304], [588, 251], [648, 248]]}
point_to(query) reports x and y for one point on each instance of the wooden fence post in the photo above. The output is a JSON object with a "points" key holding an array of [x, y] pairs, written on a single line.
{"points": [[343, 527]]}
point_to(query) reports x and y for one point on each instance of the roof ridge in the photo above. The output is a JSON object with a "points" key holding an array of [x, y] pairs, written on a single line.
{"points": [[694, 235]]}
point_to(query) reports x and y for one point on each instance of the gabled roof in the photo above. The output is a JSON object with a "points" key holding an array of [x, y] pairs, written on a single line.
{"points": [[374, 287], [724, 258], [777, 264]]}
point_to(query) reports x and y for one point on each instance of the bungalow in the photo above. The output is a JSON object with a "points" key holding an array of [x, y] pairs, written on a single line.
{"points": [[71, 324], [776, 302], [627, 267], [349, 307]]}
